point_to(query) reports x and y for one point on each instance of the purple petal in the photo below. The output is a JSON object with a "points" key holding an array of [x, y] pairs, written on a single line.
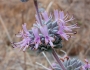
{"points": [[61, 13], [56, 14], [83, 68], [64, 36], [67, 28], [45, 16], [37, 37], [46, 40], [44, 30], [35, 32], [52, 39], [51, 44], [36, 46], [61, 32], [37, 18], [24, 43], [88, 65], [25, 29], [70, 19], [86, 60]]}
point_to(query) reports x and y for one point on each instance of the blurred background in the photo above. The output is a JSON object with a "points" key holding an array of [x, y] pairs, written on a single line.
{"points": [[11, 23]]}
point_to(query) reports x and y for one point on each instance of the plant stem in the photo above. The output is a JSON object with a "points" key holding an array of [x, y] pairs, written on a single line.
{"points": [[37, 10], [57, 59]]}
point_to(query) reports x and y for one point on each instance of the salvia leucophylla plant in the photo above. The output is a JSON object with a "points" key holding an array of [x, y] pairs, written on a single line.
{"points": [[47, 34], [71, 64]]}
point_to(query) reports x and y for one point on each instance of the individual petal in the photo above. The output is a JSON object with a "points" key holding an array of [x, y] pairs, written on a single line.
{"points": [[56, 15], [70, 19], [35, 32], [70, 27], [37, 37], [61, 31], [61, 18], [36, 45], [44, 30], [45, 16], [46, 40], [86, 60], [63, 35], [51, 43], [52, 39], [83, 68], [61, 13], [88, 65], [25, 29], [37, 18], [67, 28], [24, 43]]}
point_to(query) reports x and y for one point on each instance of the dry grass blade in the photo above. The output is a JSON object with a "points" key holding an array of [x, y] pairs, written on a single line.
{"points": [[49, 6], [25, 68], [5, 28], [42, 66]]}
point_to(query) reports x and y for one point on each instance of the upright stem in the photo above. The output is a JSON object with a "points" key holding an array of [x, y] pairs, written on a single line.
{"points": [[53, 52], [57, 59], [36, 6]]}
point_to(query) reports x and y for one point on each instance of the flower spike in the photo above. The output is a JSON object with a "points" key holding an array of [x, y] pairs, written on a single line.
{"points": [[47, 32]]}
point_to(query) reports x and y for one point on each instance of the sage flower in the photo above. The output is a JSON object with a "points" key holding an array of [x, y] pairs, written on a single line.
{"points": [[86, 66], [48, 39], [61, 32], [45, 16], [47, 32], [37, 37], [60, 17], [26, 39]]}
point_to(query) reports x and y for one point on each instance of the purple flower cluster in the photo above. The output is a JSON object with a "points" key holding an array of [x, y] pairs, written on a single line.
{"points": [[47, 33], [64, 30], [86, 66], [26, 39]]}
